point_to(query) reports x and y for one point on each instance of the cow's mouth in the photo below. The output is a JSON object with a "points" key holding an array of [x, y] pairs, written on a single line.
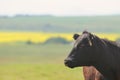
{"points": [[70, 64]]}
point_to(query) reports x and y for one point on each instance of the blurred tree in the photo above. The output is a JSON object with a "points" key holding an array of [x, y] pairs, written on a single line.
{"points": [[29, 42], [57, 40]]}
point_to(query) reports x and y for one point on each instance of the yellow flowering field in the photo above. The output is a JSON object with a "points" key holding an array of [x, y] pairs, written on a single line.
{"points": [[42, 36]]}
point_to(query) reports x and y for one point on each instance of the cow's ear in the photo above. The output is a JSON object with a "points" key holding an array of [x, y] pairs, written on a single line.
{"points": [[75, 36]]}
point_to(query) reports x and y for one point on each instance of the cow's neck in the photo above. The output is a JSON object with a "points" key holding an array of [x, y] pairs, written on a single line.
{"points": [[105, 71], [105, 66]]}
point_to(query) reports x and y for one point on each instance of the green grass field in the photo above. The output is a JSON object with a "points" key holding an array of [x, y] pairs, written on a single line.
{"points": [[36, 62]]}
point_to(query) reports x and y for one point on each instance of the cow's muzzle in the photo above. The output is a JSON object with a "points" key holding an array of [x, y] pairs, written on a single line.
{"points": [[69, 63]]}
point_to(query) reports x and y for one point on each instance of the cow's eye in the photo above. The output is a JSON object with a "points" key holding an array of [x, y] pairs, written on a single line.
{"points": [[80, 46]]}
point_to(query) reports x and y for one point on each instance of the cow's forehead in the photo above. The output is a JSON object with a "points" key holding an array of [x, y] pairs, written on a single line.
{"points": [[79, 39]]}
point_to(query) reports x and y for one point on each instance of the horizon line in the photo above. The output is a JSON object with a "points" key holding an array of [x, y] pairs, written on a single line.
{"points": [[17, 15]]}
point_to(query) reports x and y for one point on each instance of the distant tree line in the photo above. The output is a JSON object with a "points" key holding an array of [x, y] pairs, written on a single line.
{"points": [[57, 40], [53, 40]]}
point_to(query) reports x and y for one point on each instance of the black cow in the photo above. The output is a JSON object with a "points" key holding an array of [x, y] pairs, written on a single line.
{"points": [[90, 50]]}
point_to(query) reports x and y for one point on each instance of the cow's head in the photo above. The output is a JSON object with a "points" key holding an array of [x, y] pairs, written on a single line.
{"points": [[81, 54]]}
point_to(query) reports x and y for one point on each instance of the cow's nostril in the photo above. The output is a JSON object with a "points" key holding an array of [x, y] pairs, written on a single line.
{"points": [[67, 62]]}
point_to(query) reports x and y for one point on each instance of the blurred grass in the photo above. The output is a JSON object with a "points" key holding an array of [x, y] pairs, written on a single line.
{"points": [[39, 72], [33, 53], [36, 62]]}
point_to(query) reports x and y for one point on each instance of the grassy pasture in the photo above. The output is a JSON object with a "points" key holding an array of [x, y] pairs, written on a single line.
{"points": [[33, 53], [36, 62], [39, 72]]}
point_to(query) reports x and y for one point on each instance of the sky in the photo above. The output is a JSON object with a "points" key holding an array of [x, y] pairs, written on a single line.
{"points": [[60, 7]]}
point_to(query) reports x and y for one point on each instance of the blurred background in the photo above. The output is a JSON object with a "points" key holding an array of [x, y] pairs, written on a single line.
{"points": [[36, 35]]}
